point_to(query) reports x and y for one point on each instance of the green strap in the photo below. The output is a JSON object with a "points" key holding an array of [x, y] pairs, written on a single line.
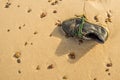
{"points": [[80, 34]]}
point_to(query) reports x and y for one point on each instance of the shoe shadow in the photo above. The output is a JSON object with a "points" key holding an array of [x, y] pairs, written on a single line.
{"points": [[68, 45]]}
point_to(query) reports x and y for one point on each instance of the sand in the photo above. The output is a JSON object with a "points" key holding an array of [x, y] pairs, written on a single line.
{"points": [[41, 48]]}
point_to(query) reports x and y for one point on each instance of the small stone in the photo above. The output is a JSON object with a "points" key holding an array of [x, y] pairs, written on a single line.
{"points": [[109, 74], [17, 55], [108, 15], [18, 61], [35, 33], [107, 70], [31, 43], [25, 43], [18, 6], [52, 3], [50, 35], [8, 30], [71, 55], [7, 5], [50, 66], [29, 10], [106, 21], [109, 64], [44, 14], [38, 67], [58, 20], [49, 0], [109, 20], [58, 23], [56, 2], [23, 25], [54, 11], [19, 27], [64, 77], [19, 71], [95, 79], [96, 18]]}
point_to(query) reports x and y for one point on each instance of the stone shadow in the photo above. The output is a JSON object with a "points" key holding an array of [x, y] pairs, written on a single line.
{"points": [[71, 44]]}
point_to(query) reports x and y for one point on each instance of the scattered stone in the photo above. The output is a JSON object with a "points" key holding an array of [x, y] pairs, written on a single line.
{"points": [[54, 3], [35, 33], [49, 0], [18, 61], [109, 14], [17, 55], [25, 43], [95, 79], [44, 14], [109, 74], [50, 35], [23, 25], [58, 23], [31, 43], [54, 11], [109, 20], [19, 71], [38, 67], [71, 55], [50, 66], [7, 5], [19, 27], [106, 21], [109, 64], [107, 70], [29, 10], [64, 77], [96, 18], [18, 6], [8, 30]]}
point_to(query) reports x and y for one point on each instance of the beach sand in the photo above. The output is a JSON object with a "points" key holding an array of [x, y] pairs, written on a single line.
{"points": [[33, 47]]}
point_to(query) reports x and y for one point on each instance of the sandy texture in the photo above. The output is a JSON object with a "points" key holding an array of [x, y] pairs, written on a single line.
{"points": [[32, 47]]}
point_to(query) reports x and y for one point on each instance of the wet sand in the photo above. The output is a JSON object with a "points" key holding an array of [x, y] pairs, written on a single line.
{"points": [[33, 47]]}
